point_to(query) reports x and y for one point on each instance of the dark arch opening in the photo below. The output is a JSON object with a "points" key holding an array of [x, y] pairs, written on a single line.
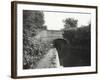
{"points": [[58, 42], [62, 47]]}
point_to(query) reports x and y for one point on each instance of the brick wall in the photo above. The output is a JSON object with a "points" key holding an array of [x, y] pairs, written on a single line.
{"points": [[49, 34]]}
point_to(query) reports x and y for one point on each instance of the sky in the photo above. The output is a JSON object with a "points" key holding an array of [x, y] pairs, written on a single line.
{"points": [[54, 20]]}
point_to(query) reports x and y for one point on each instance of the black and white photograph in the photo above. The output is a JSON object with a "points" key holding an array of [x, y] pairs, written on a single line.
{"points": [[54, 39]]}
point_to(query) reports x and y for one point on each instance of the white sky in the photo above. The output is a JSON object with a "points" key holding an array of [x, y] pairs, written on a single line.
{"points": [[54, 20]]}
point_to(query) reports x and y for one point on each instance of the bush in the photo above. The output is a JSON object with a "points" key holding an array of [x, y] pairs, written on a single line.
{"points": [[33, 49], [80, 46], [34, 52], [78, 36]]}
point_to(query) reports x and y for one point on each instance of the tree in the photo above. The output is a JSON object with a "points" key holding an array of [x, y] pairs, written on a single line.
{"points": [[70, 23], [33, 21]]}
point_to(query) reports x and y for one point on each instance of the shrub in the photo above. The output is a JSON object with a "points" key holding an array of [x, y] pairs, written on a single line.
{"points": [[80, 46], [34, 52], [78, 36]]}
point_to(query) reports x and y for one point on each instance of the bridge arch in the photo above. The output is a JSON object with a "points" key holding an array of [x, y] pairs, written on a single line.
{"points": [[62, 47]]}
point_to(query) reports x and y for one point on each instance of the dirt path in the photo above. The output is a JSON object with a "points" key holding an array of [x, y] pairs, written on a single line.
{"points": [[50, 60]]}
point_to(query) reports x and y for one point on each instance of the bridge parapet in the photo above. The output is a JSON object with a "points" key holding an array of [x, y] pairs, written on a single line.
{"points": [[49, 35]]}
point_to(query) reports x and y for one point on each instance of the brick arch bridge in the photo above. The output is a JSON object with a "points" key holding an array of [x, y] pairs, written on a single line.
{"points": [[49, 35]]}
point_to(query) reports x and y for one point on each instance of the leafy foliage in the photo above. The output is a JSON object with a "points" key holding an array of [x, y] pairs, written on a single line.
{"points": [[70, 23], [78, 36], [33, 49], [34, 52], [80, 46], [33, 21]]}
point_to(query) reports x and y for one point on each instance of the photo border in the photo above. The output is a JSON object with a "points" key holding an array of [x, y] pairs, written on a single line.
{"points": [[14, 37]]}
